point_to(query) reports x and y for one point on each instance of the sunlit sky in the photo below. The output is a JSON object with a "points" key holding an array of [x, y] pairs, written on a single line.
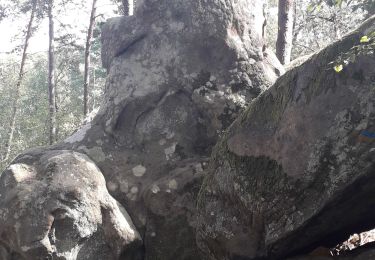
{"points": [[11, 28]]}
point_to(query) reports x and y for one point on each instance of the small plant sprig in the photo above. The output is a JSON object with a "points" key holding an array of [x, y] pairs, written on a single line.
{"points": [[366, 46]]}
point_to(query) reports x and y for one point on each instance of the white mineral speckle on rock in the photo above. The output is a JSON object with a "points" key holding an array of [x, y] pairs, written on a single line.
{"points": [[25, 248], [139, 170], [172, 184], [169, 151], [153, 234], [155, 188], [124, 186], [252, 61], [112, 186], [170, 135], [162, 141], [341, 157], [134, 190], [238, 99], [117, 100], [198, 167], [79, 135], [362, 125]]}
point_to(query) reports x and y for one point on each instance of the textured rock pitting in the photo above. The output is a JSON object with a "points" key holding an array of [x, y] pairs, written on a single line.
{"points": [[55, 204]]}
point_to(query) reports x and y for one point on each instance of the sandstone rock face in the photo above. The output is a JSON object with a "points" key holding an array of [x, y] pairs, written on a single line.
{"points": [[296, 169], [55, 205], [179, 72]]}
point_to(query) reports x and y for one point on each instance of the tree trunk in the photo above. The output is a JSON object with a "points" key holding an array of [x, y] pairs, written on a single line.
{"points": [[51, 73], [8, 144], [57, 110], [128, 7], [93, 86], [86, 80], [284, 41]]}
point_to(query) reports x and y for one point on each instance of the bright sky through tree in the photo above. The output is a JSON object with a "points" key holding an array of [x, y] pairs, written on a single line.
{"points": [[11, 29]]}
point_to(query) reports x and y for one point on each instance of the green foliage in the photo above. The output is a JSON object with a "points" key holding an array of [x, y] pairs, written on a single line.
{"points": [[365, 46], [366, 5], [338, 68], [31, 121], [31, 124], [317, 23]]}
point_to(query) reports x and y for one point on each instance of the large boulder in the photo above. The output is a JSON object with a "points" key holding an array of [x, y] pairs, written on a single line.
{"points": [[179, 72], [296, 170], [55, 205]]}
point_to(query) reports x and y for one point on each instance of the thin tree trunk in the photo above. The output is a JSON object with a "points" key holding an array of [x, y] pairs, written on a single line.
{"points": [[335, 26], [51, 74], [284, 41], [86, 80], [57, 109], [93, 86], [9, 141], [128, 7]]}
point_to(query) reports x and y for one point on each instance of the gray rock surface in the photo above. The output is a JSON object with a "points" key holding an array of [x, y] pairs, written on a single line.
{"points": [[179, 72], [296, 170], [55, 205]]}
